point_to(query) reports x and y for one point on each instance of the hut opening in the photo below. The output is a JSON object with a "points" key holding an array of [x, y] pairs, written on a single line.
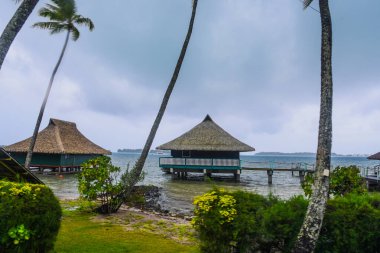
{"points": [[59, 146], [207, 148]]}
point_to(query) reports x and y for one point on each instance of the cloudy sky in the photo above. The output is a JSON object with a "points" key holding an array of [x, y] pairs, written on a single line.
{"points": [[253, 65]]}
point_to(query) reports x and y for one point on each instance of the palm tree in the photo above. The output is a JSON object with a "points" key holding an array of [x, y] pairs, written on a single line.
{"points": [[63, 18], [309, 233], [14, 26], [137, 169]]}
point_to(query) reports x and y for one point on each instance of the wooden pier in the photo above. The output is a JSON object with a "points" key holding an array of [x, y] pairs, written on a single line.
{"points": [[271, 167]]}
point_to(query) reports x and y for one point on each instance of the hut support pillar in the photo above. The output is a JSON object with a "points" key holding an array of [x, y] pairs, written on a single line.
{"points": [[270, 175], [237, 176], [302, 176], [204, 174]]}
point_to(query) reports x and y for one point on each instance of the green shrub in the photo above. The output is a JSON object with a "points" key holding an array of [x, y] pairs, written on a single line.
{"points": [[281, 223], [29, 217], [351, 224], [343, 180], [99, 180], [269, 224], [246, 221]]}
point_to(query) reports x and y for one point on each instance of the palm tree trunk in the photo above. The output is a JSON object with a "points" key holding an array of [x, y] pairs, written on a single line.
{"points": [[40, 115], [311, 227], [137, 169], [14, 26]]}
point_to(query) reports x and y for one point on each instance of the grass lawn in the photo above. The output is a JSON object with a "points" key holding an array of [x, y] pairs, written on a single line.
{"points": [[85, 232]]}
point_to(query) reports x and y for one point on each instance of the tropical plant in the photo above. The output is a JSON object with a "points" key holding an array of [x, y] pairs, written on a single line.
{"points": [[343, 181], [311, 227], [98, 181], [63, 17], [30, 217], [14, 26], [138, 167]]}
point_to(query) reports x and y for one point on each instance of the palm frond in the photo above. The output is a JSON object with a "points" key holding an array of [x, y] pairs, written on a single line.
{"points": [[80, 20], [306, 3], [48, 25], [58, 29], [74, 33]]}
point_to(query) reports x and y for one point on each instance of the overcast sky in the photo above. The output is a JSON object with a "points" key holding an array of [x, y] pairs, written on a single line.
{"points": [[253, 65]]}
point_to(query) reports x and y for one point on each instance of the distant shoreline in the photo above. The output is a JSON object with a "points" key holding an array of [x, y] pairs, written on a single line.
{"points": [[294, 154]]}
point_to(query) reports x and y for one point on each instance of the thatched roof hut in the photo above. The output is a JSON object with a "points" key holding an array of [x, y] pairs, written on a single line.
{"points": [[206, 136], [13, 171], [375, 156], [59, 137], [60, 144]]}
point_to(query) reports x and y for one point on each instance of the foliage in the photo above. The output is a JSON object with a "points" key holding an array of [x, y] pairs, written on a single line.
{"points": [[280, 224], [343, 180], [29, 217], [238, 229], [351, 224], [269, 224], [101, 181], [346, 180]]}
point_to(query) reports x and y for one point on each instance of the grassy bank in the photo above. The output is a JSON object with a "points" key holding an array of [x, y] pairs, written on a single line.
{"points": [[127, 231]]}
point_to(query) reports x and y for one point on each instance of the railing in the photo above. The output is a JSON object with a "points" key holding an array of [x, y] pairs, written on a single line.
{"points": [[371, 172], [209, 163], [278, 166]]}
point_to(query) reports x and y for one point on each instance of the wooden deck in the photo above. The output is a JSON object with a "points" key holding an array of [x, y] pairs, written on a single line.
{"points": [[180, 167]]}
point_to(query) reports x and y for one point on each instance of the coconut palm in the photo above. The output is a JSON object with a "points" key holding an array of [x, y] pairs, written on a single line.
{"points": [[63, 18], [137, 169], [312, 224], [14, 26]]}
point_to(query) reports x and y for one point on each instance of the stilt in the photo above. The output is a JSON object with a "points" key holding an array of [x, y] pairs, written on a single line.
{"points": [[302, 176], [270, 174], [204, 174], [237, 176], [173, 174]]}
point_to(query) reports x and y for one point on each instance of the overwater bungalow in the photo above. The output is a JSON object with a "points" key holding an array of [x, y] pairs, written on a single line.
{"points": [[59, 146], [207, 148]]}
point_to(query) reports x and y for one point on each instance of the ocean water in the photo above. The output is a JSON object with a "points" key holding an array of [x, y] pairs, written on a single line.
{"points": [[177, 195]]}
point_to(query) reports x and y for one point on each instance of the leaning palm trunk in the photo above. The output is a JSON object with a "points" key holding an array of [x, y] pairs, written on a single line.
{"points": [[14, 26], [311, 227], [41, 114], [137, 169]]}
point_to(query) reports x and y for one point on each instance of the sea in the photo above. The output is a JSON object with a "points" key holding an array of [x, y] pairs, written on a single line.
{"points": [[177, 195]]}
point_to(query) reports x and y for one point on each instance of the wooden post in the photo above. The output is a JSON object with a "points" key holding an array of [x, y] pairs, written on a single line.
{"points": [[172, 172], [204, 174], [270, 174], [302, 176], [237, 176]]}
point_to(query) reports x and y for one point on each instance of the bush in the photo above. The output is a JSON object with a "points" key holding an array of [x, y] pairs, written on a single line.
{"points": [[29, 217], [351, 224], [99, 180], [245, 221], [343, 180], [248, 222]]}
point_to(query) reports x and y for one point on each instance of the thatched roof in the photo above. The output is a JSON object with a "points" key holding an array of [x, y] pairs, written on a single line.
{"points": [[13, 171], [206, 136], [59, 137], [375, 156]]}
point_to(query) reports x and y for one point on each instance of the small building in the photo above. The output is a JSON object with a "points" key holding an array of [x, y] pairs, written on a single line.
{"points": [[207, 148], [59, 146]]}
